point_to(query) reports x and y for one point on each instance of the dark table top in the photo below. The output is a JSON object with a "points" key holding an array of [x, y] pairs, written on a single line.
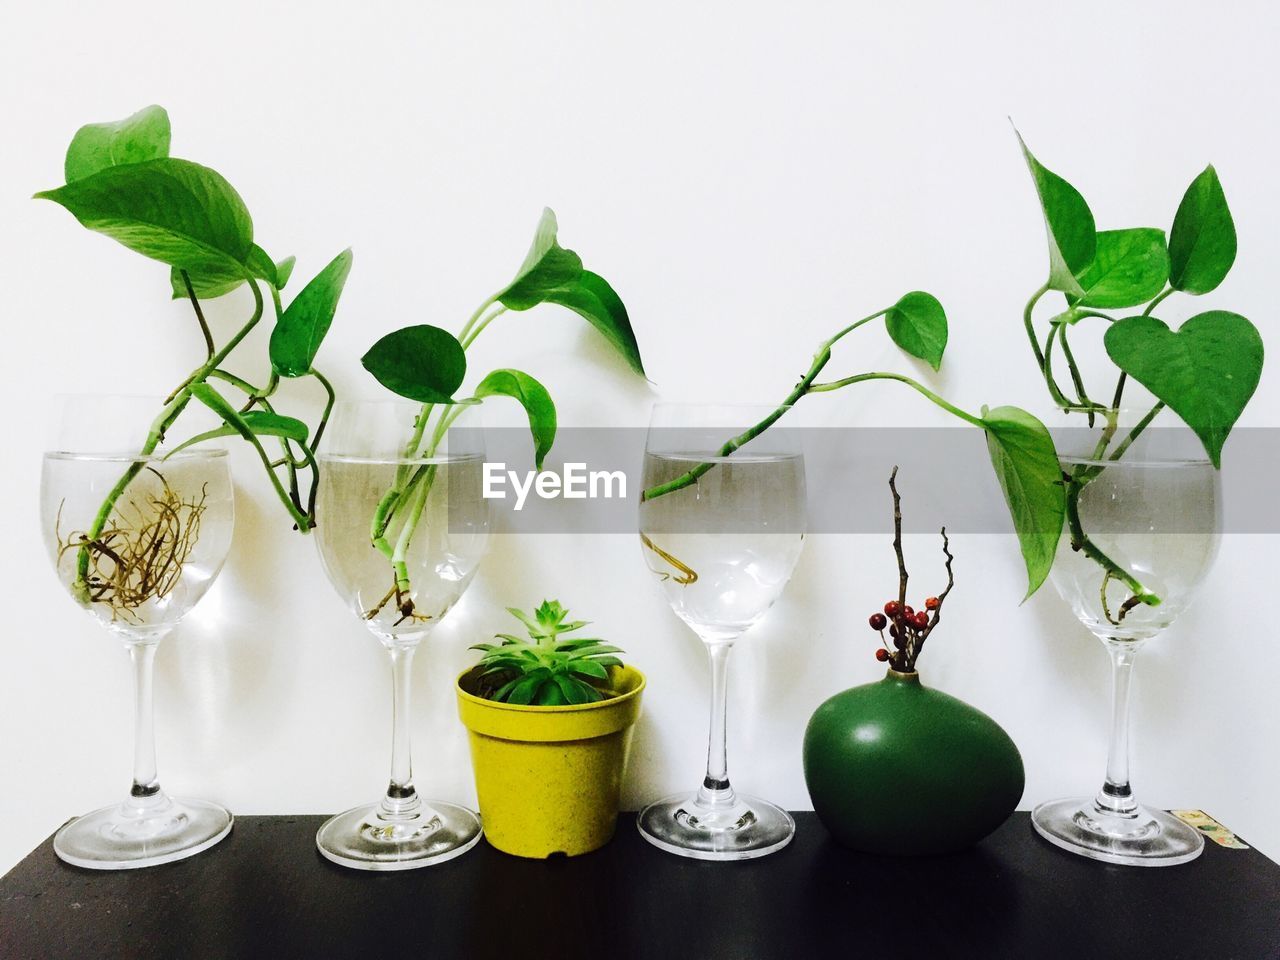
{"points": [[265, 891]]}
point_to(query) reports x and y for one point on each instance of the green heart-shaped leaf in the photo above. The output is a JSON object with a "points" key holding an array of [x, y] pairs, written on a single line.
{"points": [[174, 211], [552, 274], [1205, 372], [546, 267], [422, 362], [1068, 222], [591, 298], [1130, 267], [918, 324], [535, 399], [302, 327], [1202, 244], [96, 146], [1027, 466]]}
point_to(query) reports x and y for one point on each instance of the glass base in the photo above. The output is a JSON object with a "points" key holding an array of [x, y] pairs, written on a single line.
{"points": [[142, 832], [366, 838], [1146, 838], [742, 829]]}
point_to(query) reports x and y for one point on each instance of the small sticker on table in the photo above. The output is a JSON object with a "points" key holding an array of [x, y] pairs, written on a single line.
{"points": [[1211, 828]]}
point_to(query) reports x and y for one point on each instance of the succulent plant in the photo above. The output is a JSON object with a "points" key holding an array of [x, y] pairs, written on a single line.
{"points": [[546, 670]]}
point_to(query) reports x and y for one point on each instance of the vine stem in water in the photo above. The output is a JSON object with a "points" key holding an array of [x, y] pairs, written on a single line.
{"points": [[729, 446], [173, 406], [410, 488]]}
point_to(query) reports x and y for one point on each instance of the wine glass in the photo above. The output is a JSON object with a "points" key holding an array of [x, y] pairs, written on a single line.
{"points": [[1149, 519], [136, 538], [433, 530], [721, 528]]}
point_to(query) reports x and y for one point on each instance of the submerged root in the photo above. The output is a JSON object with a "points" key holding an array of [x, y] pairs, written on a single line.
{"points": [[404, 603], [684, 575], [140, 554], [1125, 607]]}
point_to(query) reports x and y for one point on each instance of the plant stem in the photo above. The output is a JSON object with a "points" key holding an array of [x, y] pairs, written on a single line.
{"points": [[415, 504], [1028, 322], [1157, 300], [465, 337], [1120, 382], [1137, 429], [1046, 370], [913, 384], [820, 360], [1076, 379], [1080, 541], [480, 325], [393, 499], [331, 398], [195, 305]]}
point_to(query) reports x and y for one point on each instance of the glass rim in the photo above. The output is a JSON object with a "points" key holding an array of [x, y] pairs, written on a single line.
{"points": [[392, 460], [1137, 459], [159, 398], [719, 405], [1078, 409], [398, 401], [111, 456]]}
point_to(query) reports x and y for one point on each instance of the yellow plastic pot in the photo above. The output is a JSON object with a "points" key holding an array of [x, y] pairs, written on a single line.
{"points": [[549, 778]]}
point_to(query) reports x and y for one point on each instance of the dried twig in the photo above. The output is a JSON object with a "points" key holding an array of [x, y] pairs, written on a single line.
{"points": [[908, 639], [900, 641]]}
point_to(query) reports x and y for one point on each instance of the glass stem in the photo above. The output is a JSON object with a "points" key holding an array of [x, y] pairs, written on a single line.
{"points": [[401, 801], [715, 786], [145, 783], [1116, 796]]}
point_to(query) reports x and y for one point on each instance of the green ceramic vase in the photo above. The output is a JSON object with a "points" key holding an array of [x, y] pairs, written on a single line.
{"points": [[894, 767]]}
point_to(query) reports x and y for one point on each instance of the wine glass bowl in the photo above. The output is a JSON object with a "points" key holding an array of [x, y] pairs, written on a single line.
{"points": [[729, 543], [440, 558], [160, 547], [137, 537], [400, 536], [1156, 519], [1142, 533], [722, 524]]}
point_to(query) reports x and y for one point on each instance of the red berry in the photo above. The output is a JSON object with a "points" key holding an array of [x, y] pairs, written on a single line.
{"points": [[891, 608], [877, 621], [933, 603], [893, 631], [882, 654], [921, 620], [908, 612]]}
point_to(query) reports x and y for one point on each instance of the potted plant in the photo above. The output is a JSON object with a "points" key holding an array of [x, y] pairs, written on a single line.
{"points": [[122, 182], [895, 767], [428, 365], [404, 477], [137, 524], [550, 721]]}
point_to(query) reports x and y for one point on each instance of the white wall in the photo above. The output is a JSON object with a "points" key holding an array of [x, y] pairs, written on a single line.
{"points": [[750, 176]]}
